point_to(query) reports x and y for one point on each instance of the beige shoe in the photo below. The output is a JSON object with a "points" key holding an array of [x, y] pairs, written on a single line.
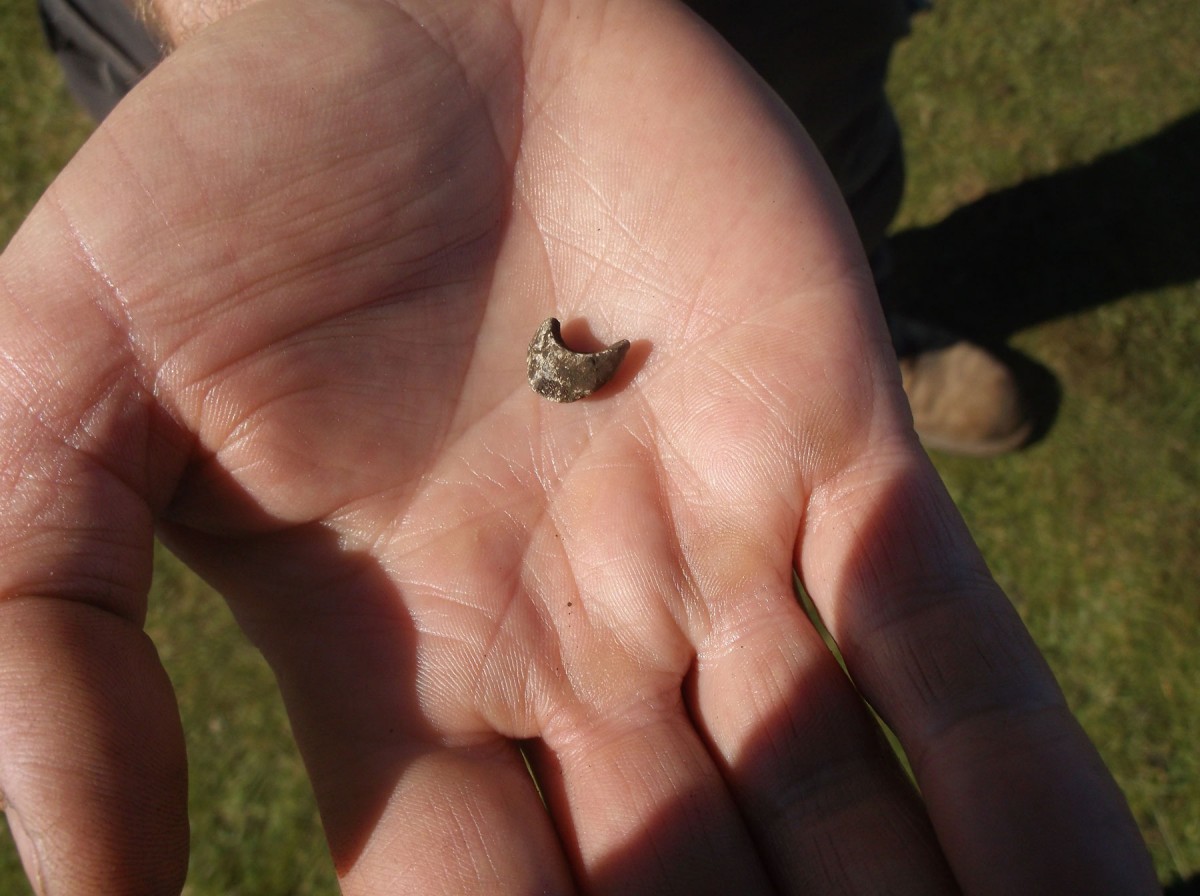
{"points": [[965, 400]]}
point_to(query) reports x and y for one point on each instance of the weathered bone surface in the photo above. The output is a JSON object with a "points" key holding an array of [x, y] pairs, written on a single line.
{"points": [[557, 373]]}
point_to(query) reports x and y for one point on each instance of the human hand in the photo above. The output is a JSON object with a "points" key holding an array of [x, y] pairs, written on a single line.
{"points": [[277, 311]]}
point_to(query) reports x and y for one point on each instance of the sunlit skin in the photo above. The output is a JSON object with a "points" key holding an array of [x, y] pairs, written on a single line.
{"points": [[277, 312]]}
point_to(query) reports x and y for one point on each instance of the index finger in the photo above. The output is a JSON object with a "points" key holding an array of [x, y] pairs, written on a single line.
{"points": [[1020, 799]]}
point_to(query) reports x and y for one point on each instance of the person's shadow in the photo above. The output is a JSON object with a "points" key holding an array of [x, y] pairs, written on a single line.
{"points": [[1055, 246], [1180, 887], [1046, 248], [1063, 243]]}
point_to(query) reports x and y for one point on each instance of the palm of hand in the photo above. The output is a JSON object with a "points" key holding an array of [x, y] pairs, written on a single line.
{"points": [[427, 552], [321, 280]]}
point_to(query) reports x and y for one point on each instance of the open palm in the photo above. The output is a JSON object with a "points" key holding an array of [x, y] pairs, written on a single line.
{"points": [[294, 281]]}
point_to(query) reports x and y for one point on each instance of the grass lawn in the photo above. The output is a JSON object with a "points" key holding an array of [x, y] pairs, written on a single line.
{"points": [[1053, 207]]}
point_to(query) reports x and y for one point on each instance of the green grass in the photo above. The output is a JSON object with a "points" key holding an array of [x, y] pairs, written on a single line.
{"points": [[1054, 205], [254, 822], [39, 129], [1065, 139]]}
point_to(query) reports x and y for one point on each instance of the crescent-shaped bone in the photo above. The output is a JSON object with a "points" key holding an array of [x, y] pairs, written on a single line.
{"points": [[557, 373]]}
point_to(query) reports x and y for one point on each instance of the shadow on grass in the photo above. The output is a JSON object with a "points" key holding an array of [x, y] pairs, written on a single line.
{"points": [[1061, 244], [1044, 249], [1189, 887], [1056, 246]]}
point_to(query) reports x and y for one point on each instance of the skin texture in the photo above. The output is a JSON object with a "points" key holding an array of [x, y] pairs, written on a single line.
{"points": [[277, 310]]}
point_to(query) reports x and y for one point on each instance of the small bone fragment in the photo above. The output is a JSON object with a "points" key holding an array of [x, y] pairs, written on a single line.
{"points": [[557, 373]]}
